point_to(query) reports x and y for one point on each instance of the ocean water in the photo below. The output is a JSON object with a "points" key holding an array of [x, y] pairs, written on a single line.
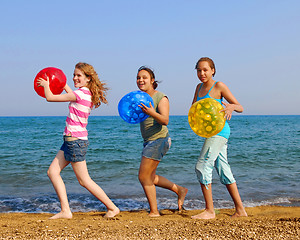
{"points": [[263, 151]]}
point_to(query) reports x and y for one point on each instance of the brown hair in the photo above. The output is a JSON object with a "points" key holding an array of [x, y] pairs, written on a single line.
{"points": [[151, 72], [97, 88], [210, 62]]}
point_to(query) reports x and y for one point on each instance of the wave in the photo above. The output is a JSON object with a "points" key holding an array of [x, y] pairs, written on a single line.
{"points": [[88, 203]]}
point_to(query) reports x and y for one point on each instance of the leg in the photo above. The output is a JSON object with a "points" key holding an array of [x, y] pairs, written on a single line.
{"points": [[146, 177], [224, 170], [204, 168], [149, 180], [57, 165], [209, 211], [167, 184], [234, 193], [81, 172]]}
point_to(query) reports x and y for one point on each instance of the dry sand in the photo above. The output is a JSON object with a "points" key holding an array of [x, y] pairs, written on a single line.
{"points": [[264, 222]]}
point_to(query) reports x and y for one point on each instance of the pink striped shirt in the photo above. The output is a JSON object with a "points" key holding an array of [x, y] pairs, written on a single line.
{"points": [[79, 112]]}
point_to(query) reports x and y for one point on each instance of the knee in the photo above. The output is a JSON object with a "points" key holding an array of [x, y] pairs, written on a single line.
{"points": [[52, 173], [227, 180], [225, 174], [198, 173], [155, 179], [49, 173], [81, 182], [84, 182], [144, 178], [204, 174], [198, 169]]}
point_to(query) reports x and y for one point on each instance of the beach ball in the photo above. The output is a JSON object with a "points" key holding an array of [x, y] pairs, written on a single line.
{"points": [[129, 109], [57, 81], [205, 118]]}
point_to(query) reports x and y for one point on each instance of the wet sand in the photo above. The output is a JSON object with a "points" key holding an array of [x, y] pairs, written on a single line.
{"points": [[264, 222]]}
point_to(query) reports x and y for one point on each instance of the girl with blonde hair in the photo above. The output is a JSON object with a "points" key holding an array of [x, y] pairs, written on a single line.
{"points": [[90, 94]]}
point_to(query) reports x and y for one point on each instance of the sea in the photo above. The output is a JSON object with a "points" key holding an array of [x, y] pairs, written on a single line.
{"points": [[263, 151]]}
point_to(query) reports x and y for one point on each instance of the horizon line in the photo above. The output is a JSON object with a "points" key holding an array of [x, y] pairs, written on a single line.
{"points": [[175, 115]]}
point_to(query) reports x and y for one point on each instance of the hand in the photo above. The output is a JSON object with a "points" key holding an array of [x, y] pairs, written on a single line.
{"points": [[229, 108], [148, 110], [43, 82]]}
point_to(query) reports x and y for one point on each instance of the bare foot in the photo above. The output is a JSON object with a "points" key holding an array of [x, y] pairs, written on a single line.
{"points": [[204, 215], [181, 196], [67, 215], [112, 213], [154, 215], [240, 213]]}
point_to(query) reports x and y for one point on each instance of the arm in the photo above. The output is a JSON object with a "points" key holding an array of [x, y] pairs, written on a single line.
{"points": [[196, 92], [232, 105], [162, 117], [50, 97], [67, 88]]}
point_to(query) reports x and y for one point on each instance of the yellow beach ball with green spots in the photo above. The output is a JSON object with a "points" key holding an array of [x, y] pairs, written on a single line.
{"points": [[205, 118]]}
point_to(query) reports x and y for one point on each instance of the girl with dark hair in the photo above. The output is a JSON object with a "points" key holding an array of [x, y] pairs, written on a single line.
{"points": [[214, 149], [156, 142]]}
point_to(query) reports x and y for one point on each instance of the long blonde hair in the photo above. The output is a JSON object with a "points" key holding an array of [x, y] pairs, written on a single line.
{"points": [[96, 87]]}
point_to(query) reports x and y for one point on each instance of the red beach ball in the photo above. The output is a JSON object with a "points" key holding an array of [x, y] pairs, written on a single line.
{"points": [[57, 81]]}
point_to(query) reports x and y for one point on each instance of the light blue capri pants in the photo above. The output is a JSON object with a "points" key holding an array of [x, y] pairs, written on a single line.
{"points": [[214, 154]]}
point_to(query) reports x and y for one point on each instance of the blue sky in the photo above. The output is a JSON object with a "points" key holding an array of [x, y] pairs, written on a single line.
{"points": [[255, 46]]}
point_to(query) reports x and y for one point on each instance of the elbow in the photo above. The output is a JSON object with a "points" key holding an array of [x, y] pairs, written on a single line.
{"points": [[165, 122], [49, 99]]}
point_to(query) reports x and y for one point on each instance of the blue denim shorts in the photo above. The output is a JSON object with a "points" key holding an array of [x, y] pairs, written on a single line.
{"points": [[74, 151], [156, 149], [214, 155]]}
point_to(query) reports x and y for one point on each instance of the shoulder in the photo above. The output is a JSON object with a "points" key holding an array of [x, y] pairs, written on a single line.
{"points": [[159, 95], [82, 93], [83, 90], [221, 85], [198, 87], [223, 89]]}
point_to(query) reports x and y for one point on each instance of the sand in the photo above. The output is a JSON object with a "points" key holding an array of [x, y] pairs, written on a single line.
{"points": [[264, 222]]}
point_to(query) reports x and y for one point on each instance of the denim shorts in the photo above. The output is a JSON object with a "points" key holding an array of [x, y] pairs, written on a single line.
{"points": [[214, 155], [156, 149], [74, 151]]}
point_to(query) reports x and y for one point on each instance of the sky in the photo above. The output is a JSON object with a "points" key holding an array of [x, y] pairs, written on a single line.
{"points": [[255, 46]]}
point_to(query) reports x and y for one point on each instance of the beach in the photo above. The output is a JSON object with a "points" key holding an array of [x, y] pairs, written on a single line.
{"points": [[263, 222]]}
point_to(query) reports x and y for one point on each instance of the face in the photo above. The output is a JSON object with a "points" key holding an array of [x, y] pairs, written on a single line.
{"points": [[144, 81], [80, 79], [204, 71]]}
